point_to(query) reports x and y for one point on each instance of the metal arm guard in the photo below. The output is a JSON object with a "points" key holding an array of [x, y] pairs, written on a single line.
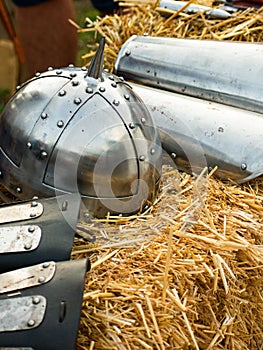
{"points": [[37, 230], [40, 306], [193, 131], [197, 133], [191, 67]]}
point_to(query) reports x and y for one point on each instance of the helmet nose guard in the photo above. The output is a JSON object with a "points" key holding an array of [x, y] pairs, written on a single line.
{"points": [[76, 130]]}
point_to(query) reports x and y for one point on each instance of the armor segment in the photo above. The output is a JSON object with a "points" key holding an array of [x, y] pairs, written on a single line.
{"points": [[37, 230], [196, 133], [40, 305], [190, 67]]}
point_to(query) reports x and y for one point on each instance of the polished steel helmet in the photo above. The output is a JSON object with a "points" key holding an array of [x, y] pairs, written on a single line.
{"points": [[78, 130]]}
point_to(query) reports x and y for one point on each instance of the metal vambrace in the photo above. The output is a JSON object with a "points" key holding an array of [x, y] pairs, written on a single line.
{"points": [[40, 305], [37, 230], [190, 67]]}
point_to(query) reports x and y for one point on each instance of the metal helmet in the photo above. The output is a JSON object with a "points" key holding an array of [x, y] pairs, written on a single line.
{"points": [[80, 130]]}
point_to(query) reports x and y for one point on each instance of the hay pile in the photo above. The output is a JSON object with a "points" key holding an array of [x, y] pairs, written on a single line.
{"points": [[187, 273], [194, 278]]}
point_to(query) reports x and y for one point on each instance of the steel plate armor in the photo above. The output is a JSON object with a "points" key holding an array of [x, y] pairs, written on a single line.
{"points": [[77, 130], [207, 108], [191, 67]]}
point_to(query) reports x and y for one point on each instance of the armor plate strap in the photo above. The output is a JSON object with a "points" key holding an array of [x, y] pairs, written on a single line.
{"points": [[25, 211], [27, 277], [19, 238], [22, 313]]}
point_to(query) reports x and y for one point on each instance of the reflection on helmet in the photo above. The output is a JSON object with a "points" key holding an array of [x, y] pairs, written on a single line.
{"points": [[65, 131]]}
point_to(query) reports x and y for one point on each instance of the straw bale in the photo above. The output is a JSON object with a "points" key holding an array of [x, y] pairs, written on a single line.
{"points": [[186, 273]]}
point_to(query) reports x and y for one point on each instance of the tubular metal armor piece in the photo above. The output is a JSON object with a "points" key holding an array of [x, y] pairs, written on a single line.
{"points": [[226, 133], [72, 130], [197, 133], [190, 67], [40, 305]]}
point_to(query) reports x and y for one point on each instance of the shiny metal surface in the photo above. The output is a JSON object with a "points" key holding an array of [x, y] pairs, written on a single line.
{"points": [[221, 71], [22, 313], [19, 212], [27, 277], [66, 132], [174, 6], [15, 239], [196, 133]]}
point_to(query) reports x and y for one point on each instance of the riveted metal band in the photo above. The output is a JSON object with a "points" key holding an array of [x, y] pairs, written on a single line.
{"points": [[27, 277], [18, 212], [22, 313], [16, 239]]}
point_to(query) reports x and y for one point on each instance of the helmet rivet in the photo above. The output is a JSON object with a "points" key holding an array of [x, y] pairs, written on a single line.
{"points": [[33, 215], [127, 97], [50, 68], [142, 158], [62, 93], [243, 166], [173, 155], [143, 120], [1, 173], [131, 126], [58, 72], [102, 89], [18, 87], [60, 123], [77, 101], [127, 52], [111, 77], [43, 115], [71, 65], [116, 102], [18, 189], [121, 78], [43, 154], [84, 68], [29, 145], [73, 74], [75, 83], [89, 90], [114, 85], [37, 74], [152, 151], [31, 323], [45, 265]]}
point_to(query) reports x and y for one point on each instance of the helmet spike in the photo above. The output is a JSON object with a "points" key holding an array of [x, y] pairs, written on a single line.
{"points": [[95, 68]]}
